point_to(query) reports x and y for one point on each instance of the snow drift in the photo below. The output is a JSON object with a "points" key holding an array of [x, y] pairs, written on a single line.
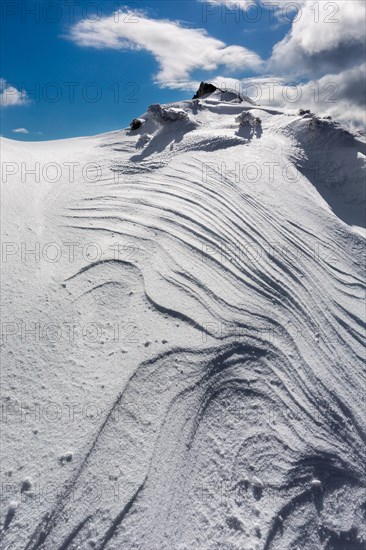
{"points": [[215, 370]]}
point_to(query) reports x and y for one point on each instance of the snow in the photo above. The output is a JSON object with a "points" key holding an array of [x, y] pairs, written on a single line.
{"points": [[246, 118], [183, 334]]}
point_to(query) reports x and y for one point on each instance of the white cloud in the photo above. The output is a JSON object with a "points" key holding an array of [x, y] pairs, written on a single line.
{"points": [[338, 23], [325, 36], [338, 95], [178, 50], [25, 131], [20, 131], [10, 96]]}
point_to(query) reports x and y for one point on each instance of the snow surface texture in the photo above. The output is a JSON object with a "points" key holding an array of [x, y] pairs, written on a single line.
{"points": [[229, 414]]}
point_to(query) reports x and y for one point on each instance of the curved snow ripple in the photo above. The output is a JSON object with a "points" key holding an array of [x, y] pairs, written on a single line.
{"points": [[253, 434]]}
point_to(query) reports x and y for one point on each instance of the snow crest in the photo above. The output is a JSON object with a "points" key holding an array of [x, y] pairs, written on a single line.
{"points": [[231, 393]]}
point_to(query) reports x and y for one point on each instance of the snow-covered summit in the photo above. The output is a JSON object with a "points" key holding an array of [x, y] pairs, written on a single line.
{"points": [[329, 156], [206, 90]]}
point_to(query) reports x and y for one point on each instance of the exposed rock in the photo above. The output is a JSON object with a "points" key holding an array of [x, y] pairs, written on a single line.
{"points": [[226, 95], [246, 118], [135, 124], [163, 115], [205, 88]]}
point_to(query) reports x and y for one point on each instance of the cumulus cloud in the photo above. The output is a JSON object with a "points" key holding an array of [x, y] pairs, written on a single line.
{"points": [[10, 96], [325, 36], [20, 131], [177, 49], [326, 46]]}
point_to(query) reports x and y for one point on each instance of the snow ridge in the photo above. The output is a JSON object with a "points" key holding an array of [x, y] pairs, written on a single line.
{"points": [[244, 426]]}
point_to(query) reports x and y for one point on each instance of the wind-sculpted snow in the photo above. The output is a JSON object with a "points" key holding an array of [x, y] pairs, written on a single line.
{"points": [[237, 422]]}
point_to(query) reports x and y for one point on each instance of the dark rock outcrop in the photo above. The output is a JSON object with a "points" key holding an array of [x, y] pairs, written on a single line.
{"points": [[226, 95], [303, 112], [136, 124], [205, 88]]}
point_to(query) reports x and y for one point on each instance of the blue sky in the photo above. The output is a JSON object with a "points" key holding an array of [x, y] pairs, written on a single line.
{"points": [[79, 82]]}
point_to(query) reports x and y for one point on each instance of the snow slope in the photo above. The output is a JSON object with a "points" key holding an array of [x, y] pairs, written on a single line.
{"points": [[183, 354]]}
